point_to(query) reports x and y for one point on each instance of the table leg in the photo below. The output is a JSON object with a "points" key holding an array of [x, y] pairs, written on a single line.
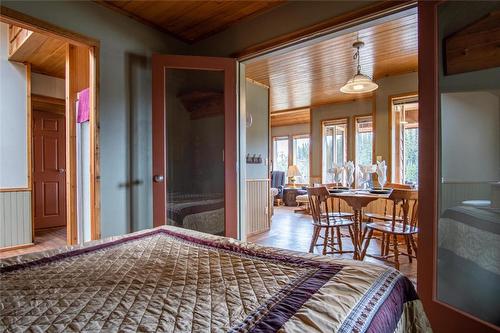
{"points": [[357, 223]]}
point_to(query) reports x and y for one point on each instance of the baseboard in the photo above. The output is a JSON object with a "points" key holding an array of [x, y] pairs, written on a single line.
{"points": [[15, 247]]}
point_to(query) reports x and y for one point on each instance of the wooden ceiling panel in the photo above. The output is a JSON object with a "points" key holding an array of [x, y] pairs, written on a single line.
{"points": [[292, 117], [46, 55], [314, 74], [190, 20]]}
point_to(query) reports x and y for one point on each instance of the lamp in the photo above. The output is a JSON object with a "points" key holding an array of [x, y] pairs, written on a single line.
{"points": [[359, 83], [293, 171]]}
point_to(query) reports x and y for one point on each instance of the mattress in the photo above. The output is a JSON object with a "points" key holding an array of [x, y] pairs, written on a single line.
{"points": [[200, 212], [469, 261], [169, 279]]}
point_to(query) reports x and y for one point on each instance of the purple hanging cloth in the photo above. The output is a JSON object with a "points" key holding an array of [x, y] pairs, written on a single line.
{"points": [[83, 106]]}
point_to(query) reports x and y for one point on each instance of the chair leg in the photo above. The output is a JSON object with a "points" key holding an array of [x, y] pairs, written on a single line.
{"points": [[349, 228], [408, 248], [332, 240], [339, 239], [413, 244], [387, 245], [382, 247], [325, 241], [367, 243], [396, 251], [314, 239]]}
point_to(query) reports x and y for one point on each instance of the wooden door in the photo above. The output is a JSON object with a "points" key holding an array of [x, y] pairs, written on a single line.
{"points": [[194, 143], [456, 272], [49, 170]]}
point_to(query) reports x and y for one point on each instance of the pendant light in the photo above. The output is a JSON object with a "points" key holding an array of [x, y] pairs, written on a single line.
{"points": [[359, 83]]}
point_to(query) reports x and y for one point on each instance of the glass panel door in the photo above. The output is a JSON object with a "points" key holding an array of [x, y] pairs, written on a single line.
{"points": [[194, 143], [195, 149], [468, 235]]}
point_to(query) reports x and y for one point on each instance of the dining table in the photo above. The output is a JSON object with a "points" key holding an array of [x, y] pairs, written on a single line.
{"points": [[357, 200]]}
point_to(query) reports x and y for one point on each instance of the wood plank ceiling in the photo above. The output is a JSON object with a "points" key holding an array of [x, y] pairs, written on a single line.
{"points": [[313, 75], [46, 55], [190, 20]]}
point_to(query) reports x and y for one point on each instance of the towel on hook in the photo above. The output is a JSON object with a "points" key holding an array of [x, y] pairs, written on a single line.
{"points": [[83, 106]]}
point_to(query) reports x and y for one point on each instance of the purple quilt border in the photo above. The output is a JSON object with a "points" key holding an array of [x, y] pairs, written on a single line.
{"points": [[387, 317]]}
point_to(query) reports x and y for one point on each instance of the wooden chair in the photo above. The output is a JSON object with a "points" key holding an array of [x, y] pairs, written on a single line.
{"points": [[336, 205], [393, 231], [385, 216], [325, 219]]}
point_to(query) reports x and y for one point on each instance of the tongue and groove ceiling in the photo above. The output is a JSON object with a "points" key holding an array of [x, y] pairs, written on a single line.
{"points": [[313, 75], [187, 20]]}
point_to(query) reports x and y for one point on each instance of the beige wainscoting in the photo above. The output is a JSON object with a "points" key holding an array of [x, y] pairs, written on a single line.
{"points": [[454, 192], [15, 219], [258, 218]]}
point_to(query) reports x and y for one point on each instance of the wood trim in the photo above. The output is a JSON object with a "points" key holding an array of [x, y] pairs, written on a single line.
{"points": [[71, 208], [390, 159], [443, 317], [15, 189], [19, 19], [29, 143], [355, 132], [228, 66], [374, 127], [16, 247], [28, 124], [337, 23], [347, 144], [95, 180]]}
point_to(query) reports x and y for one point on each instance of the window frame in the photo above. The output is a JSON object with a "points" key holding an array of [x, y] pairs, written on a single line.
{"points": [[334, 121], [301, 136], [356, 118], [280, 138], [395, 160]]}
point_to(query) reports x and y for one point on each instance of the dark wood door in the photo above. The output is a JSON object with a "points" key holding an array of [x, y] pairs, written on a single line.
{"points": [[194, 140], [49, 170]]}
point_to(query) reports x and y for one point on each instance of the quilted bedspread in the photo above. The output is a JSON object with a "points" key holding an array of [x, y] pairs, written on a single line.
{"points": [[174, 280]]}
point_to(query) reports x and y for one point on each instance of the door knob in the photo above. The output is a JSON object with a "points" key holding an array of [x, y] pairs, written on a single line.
{"points": [[61, 170], [158, 178]]}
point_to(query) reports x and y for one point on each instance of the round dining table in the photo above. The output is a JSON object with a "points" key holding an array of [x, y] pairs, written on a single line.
{"points": [[357, 200]]}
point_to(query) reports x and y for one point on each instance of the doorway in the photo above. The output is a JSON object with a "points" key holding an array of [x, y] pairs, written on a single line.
{"points": [[316, 128], [62, 131]]}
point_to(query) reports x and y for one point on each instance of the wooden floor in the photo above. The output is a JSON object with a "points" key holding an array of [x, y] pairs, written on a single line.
{"points": [[45, 239], [293, 231]]}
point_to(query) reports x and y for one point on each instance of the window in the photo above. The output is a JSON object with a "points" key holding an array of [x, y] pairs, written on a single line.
{"points": [[280, 154], [334, 146], [301, 156], [364, 140], [405, 140]]}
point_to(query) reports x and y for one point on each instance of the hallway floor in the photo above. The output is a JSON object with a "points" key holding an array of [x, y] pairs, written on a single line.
{"points": [[45, 239]]}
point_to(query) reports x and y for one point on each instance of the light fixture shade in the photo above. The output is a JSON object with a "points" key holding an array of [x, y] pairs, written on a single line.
{"points": [[293, 171], [360, 83]]}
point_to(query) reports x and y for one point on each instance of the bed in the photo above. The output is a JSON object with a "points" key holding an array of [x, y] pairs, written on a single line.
{"points": [[469, 260], [170, 279], [200, 212]]}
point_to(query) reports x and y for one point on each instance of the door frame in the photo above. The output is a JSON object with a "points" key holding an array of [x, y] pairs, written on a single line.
{"points": [[443, 317], [11, 16], [228, 65]]}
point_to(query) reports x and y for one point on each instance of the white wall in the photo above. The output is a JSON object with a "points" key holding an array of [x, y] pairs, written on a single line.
{"points": [[47, 86], [470, 136], [13, 119], [257, 135]]}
